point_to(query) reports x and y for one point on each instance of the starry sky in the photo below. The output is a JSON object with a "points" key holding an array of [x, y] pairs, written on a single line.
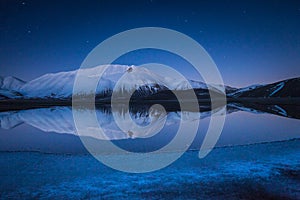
{"points": [[250, 41]]}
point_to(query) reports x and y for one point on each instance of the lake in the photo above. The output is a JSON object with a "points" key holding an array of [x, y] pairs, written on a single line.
{"points": [[256, 156]]}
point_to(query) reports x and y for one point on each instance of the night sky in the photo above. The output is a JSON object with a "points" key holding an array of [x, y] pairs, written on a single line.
{"points": [[250, 41]]}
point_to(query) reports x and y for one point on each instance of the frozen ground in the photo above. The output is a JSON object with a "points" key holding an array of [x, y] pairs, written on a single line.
{"points": [[259, 171]]}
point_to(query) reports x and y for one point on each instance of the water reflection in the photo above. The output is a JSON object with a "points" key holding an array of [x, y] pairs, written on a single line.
{"points": [[284, 110], [245, 124], [60, 119]]}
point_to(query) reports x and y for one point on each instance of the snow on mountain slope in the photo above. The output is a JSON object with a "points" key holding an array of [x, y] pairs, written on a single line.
{"points": [[9, 87], [60, 85], [134, 77], [240, 91], [198, 84], [139, 79], [9, 94], [283, 89], [50, 85], [277, 88], [11, 83]]}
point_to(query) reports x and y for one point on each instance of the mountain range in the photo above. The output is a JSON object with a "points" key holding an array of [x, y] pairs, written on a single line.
{"points": [[150, 85]]}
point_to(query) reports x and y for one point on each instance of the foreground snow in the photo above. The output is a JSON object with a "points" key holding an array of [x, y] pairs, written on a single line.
{"points": [[261, 171]]}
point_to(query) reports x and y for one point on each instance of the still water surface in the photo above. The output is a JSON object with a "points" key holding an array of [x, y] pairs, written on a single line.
{"points": [[256, 156]]}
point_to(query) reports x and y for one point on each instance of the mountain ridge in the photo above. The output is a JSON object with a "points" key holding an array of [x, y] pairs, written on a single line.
{"points": [[60, 85]]}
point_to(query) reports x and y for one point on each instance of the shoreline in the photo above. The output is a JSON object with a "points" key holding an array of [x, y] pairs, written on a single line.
{"points": [[24, 104]]}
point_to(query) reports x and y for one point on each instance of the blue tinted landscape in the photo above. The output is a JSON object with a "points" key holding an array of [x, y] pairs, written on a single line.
{"points": [[257, 156], [149, 99], [260, 171]]}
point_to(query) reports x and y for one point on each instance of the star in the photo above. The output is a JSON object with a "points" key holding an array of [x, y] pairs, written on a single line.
{"points": [[28, 31]]}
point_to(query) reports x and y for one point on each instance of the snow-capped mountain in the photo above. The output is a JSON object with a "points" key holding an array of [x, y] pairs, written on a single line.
{"points": [[9, 87], [60, 85], [285, 88], [198, 84], [241, 91], [146, 84], [50, 85], [11, 83]]}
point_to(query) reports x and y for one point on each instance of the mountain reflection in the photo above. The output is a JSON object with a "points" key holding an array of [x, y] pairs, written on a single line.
{"points": [[60, 119]]}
